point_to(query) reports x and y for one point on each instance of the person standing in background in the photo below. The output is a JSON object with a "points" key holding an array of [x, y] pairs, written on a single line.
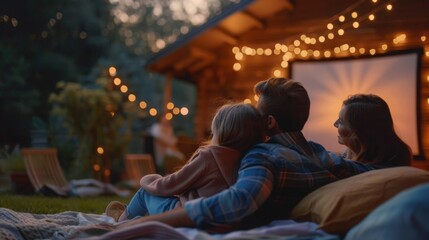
{"points": [[165, 142]]}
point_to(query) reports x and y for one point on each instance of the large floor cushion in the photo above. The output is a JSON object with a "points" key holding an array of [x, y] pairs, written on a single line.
{"points": [[339, 206], [404, 216]]}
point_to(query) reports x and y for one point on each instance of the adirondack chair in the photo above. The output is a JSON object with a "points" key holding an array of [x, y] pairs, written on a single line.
{"points": [[43, 168], [47, 177], [137, 166]]}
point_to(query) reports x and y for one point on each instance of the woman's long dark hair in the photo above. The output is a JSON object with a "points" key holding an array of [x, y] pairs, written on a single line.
{"points": [[370, 119]]}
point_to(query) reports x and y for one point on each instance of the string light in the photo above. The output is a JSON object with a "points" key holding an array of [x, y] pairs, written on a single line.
{"points": [[256, 97], [337, 50], [284, 48], [248, 51], [168, 116], [316, 53], [176, 110], [268, 51], [296, 43], [327, 54], [239, 56], [301, 47], [112, 71], [184, 111], [170, 105], [124, 89], [142, 104], [284, 64], [400, 38], [117, 81], [100, 150], [96, 167], [236, 67], [297, 51], [131, 97], [389, 7], [153, 112]]}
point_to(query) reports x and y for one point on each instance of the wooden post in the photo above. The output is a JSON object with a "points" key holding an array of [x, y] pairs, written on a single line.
{"points": [[167, 94]]}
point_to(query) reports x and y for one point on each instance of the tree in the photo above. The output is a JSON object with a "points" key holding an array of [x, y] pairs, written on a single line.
{"points": [[100, 119], [43, 42]]}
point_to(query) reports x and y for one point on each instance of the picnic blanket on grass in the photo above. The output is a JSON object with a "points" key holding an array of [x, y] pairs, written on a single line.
{"points": [[77, 225]]}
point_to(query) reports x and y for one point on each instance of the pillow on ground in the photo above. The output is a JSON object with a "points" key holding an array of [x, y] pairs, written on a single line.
{"points": [[340, 205]]}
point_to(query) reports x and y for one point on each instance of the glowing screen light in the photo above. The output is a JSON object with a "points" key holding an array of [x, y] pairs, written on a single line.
{"points": [[392, 77]]}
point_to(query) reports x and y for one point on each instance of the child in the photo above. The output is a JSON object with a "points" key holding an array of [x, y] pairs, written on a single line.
{"points": [[212, 168]]}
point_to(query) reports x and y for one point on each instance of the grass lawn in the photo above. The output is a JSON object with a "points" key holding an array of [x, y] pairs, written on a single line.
{"points": [[48, 205]]}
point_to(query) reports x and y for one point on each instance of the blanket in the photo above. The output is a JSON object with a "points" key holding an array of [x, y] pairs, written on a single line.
{"points": [[65, 225], [77, 225]]}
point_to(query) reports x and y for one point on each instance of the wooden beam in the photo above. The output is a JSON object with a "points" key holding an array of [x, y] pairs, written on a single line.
{"points": [[199, 66], [226, 37], [252, 19], [194, 56], [201, 53], [184, 63], [264, 9]]}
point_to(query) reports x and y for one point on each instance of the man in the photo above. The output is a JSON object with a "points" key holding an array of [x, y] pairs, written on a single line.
{"points": [[273, 176]]}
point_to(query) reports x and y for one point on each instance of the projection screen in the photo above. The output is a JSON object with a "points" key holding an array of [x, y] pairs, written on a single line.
{"points": [[393, 77]]}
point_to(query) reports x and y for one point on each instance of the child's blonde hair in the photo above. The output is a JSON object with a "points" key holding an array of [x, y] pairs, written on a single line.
{"points": [[238, 126]]}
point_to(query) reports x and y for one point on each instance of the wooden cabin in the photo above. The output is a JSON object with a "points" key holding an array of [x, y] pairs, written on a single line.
{"points": [[248, 42]]}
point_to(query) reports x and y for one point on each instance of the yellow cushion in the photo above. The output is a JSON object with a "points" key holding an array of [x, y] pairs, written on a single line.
{"points": [[339, 206]]}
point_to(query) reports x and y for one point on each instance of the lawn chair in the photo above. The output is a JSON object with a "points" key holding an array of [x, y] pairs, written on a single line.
{"points": [[137, 166], [43, 168], [47, 177]]}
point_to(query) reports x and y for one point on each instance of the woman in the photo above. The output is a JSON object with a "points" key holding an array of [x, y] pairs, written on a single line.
{"points": [[365, 126]]}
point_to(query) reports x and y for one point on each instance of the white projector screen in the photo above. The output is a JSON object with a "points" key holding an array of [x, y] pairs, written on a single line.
{"points": [[393, 77]]}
